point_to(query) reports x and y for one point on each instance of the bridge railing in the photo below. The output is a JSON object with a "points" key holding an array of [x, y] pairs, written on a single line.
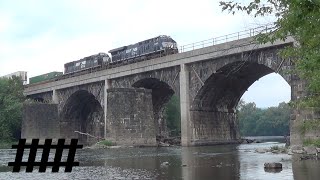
{"points": [[227, 38]]}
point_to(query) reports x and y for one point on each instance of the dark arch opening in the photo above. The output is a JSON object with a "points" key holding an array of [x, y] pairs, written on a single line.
{"points": [[223, 89], [83, 113], [213, 109], [36, 99], [161, 94]]}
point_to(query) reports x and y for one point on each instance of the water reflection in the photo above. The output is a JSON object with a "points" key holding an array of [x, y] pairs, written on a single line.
{"points": [[305, 169], [220, 162], [227, 162]]}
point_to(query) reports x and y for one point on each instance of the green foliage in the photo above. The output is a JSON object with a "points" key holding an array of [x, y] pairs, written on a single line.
{"points": [[299, 19], [309, 125], [11, 98], [275, 148], [278, 149], [273, 121], [312, 142], [172, 115], [6, 144], [106, 143]]}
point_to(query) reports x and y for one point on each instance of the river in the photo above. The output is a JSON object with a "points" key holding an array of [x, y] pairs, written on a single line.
{"points": [[223, 162]]}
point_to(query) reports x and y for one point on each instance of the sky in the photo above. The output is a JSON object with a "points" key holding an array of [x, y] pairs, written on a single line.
{"points": [[40, 36]]}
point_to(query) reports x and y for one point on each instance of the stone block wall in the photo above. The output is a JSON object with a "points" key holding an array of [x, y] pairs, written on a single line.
{"points": [[130, 118], [40, 121], [213, 127]]}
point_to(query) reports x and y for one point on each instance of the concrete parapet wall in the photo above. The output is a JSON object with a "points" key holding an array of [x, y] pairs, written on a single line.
{"points": [[130, 117]]}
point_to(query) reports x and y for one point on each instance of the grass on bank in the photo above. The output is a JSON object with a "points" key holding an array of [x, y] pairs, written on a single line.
{"points": [[106, 143], [309, 125], [312, 142]]}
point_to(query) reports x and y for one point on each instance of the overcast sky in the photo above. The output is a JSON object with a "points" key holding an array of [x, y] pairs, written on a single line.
{"points": [[40, 36]]}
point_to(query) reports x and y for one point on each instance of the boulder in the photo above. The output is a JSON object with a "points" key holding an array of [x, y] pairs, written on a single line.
{"points": [[310, 150], [261, 150], [298, 151], [273, 165], [164, 164], [162, 144]]}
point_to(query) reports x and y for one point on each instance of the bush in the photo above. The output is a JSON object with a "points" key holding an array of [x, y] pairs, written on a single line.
{"points": [[106, 143], [312, 142]]}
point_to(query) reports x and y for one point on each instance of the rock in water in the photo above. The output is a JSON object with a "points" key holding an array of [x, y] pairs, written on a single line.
{"points": [[272, 165], [164, 164], [310, 150]]}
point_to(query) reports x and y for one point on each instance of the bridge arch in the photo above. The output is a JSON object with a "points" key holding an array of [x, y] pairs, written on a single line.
{"points": [[82, 112], [213, 109], [161, 94]]}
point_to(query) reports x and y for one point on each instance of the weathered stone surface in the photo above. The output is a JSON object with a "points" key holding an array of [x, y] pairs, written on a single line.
{"points": [[130, 117], [40, 121], [318, 150], [214, 128], [296, 147], [297, 151]]}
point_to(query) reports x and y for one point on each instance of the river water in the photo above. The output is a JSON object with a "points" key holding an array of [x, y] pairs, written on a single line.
{"points": [[223, 162]]}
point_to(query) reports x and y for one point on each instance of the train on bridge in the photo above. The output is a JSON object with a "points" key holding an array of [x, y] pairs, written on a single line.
{"points": [[148, 49]]}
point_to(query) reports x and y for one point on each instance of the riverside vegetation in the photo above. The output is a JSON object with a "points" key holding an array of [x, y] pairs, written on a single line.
{"points": [[11, 100]]}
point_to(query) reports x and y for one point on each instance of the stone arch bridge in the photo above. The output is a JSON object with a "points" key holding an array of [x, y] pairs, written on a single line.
{"points": [[126, 103]]}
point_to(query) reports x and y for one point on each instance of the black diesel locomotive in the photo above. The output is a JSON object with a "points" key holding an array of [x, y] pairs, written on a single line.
{"points": [[148, 49], [101, 59]]}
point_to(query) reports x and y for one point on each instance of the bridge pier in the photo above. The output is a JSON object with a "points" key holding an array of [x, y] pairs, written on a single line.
{"points": [[185, 106], [130, 117], [214, 127], [106, 87], [55, 98]]}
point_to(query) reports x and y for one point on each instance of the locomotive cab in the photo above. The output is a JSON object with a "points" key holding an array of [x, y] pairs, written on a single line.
{"points": [[168, 44]]}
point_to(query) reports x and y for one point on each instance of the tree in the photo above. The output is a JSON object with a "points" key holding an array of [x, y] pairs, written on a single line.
{"points": [[273, 121], [297, 18], [11, 99], [172, 114]]}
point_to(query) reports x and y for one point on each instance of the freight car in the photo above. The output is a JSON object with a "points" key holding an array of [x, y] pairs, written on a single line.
{"points": [[97, 60], [44, 77], [148, 49]]}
